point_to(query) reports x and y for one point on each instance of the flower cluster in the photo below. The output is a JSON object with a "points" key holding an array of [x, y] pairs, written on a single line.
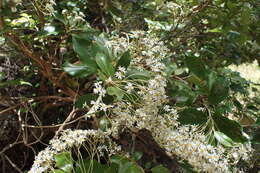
{"points": [[153, 113], [44, 161], [149, 109], [120, 74]]}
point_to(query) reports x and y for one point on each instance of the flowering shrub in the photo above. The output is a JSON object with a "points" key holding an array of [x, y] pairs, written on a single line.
{"points": [[149, 65]]}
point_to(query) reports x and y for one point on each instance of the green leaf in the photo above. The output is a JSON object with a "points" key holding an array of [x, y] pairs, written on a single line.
{"points": [[118, 159], [192, 116], [91, 166], [80, 46], [60, 17], [2, 76], [130, 167], [137, 155], [104, 124], [230, 128], [160, 169], [197, 67], [219, 91], [181, 92], [256, 137], [257, 123], [100, 46], [14, 82], [116, 92], [125, 60], [187, 167], [104, 64], [57, 171], [64, 161], [211, 80], [126, 165], [85, 99], [136, 74], [170, 68], [101, 75], [223, 139], [80, 70]]}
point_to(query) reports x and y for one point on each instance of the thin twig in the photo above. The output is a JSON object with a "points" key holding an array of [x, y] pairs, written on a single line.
{"points": [[13, 164], [70, 116]]}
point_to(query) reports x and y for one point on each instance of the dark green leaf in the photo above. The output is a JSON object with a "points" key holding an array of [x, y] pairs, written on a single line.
{"points": [[197, 67], [125, 60], [223, 139], [230, 128], [256, 137], [60, 18], [126, 165], [104, 64], [219, 91], [116, 92], [85, 99], [91, 166], [160, 169], [137, 155], [192, 116], [257, 123], [81, 47]]}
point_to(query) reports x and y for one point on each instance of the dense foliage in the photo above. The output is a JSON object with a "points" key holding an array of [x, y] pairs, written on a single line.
{"points": [[129, 86]]}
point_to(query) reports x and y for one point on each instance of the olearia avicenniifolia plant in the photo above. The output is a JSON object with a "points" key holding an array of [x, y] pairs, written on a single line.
{"points": [[139, 100]]}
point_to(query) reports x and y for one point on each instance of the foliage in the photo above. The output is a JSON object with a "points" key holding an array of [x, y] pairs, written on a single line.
{"points": [[134, 64]]}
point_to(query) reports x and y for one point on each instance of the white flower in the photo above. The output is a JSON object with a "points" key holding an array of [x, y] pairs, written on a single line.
{"points": [[129, 87], [122, 69], [119, 75]]}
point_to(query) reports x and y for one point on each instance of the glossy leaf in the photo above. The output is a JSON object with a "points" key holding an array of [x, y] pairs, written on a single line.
{"points": [[80, 70], [230, 128], [192, 116], [64, 161], [136, 74], [80, 46], [137, 155], [219, 91], [223, 139], [104, 64], [124, 60], [197, 67], [126, 165]]}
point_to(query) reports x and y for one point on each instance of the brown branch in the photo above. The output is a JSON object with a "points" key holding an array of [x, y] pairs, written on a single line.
{"points": [[45, 66], [41, 98], [39, 13], [1, 16], [70, 116]]}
